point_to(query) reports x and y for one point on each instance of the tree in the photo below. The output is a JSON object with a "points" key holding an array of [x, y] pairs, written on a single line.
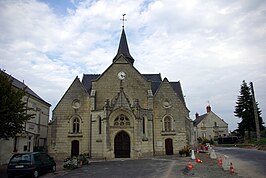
{"points": [[13, 111], [244, 110]]}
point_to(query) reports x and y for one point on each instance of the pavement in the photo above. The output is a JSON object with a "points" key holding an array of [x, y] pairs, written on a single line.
{"points": [[159, 166]]}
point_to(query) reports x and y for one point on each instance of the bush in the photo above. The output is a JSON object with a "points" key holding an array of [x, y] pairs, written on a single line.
{"points": [[70, 163], [82, 158], [204, 141], [75, 162], [185, 151]]}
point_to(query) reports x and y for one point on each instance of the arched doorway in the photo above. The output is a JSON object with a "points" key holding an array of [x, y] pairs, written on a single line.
{"points": [[74, 148], [122, 145], [168, 146]]}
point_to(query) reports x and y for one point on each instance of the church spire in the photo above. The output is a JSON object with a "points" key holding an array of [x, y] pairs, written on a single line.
{"points": [[123, 47]]}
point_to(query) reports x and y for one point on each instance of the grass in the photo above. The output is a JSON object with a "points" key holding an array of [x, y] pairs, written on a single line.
{"points": [[262, 141]]}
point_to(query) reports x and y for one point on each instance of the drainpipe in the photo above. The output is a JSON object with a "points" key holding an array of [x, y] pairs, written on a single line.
{"points": [[90, 135], [27, 106], [153, 141]]}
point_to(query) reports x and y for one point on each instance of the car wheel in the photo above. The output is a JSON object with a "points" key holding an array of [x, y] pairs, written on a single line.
{"points": [[53, 168], [35, 174]]}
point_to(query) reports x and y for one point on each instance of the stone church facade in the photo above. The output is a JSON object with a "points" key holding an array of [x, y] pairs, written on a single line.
{"points": [[120, 113]]}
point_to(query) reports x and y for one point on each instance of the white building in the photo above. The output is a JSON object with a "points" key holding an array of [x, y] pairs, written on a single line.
{"points": [[34, 136], [210, 126]]}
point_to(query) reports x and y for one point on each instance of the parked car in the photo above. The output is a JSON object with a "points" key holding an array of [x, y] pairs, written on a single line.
{"points": [[30, 164]]}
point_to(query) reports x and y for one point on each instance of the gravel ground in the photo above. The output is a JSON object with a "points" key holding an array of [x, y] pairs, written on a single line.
{"points": [[210, 168]]}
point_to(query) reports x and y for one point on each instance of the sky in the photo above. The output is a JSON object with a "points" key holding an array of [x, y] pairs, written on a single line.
{"points": [[209, 46]]}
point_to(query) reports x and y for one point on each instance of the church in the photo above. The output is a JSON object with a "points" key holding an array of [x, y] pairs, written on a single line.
{"points": [[120, 113]]}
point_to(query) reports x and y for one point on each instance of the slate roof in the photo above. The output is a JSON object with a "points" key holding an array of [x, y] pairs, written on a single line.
{"points": [[21, 85], [153, 77], [155, 81], [123, 48], [199, 119], [86, 81], [178, 90]]}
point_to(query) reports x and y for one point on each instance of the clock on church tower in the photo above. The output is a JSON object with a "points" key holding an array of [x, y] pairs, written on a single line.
{"points": [[121, 75]]}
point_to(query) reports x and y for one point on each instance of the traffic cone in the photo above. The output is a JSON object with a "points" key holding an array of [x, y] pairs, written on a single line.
{"points": [[192, 155], [221, 161], [189, 165], [198, 160], [231, 169]]}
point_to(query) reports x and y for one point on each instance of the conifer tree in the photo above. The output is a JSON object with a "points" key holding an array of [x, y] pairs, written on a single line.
{"points": [[245, 111], [12, 109]]}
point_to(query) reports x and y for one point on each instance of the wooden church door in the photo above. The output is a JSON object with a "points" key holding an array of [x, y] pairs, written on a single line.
{"points": [[122, 145], [168, 146], [74, 148]]}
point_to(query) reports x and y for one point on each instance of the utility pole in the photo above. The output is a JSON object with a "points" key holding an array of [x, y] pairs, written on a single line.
{"points": [[255, 112]]}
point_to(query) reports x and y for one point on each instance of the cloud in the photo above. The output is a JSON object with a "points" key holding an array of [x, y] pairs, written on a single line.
{"points": [[210, 46]]}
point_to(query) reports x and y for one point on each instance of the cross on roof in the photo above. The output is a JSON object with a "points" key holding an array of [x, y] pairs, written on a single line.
{"points": [[123, 19]]}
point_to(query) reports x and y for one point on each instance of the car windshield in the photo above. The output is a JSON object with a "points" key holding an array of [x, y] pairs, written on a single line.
{"points": [[21, 158]]}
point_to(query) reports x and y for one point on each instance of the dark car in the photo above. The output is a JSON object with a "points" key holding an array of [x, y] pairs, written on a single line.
{"points": [[30, 164]]}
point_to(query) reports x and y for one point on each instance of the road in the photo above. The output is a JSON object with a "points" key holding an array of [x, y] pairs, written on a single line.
{"points": [[247, 162]]}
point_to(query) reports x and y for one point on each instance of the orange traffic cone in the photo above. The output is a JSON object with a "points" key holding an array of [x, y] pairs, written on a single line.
{"points": [[189, 165], [221, 161], [198, 160], [231, 169]]}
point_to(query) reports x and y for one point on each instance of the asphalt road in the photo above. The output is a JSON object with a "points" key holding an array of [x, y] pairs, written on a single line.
{"points": [[247, 162], [142, 168]]}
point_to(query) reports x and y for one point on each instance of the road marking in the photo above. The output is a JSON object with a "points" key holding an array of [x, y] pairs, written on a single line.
{"points": [[168, 172]]}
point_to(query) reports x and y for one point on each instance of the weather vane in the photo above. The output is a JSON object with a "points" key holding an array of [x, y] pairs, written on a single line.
{"points": [[123, 19]]}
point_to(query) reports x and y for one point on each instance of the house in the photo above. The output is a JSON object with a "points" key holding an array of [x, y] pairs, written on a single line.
{"points": [[121, 113], [34, 136], [209, 126]]}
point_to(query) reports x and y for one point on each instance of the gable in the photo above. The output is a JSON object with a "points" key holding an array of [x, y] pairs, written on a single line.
{"points": [[121, 100], [75, 91], [173, 88], [121, 59]]}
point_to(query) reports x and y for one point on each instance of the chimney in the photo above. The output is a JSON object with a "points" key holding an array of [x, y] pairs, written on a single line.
{"points": [[197, 115], [208, 108]]}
